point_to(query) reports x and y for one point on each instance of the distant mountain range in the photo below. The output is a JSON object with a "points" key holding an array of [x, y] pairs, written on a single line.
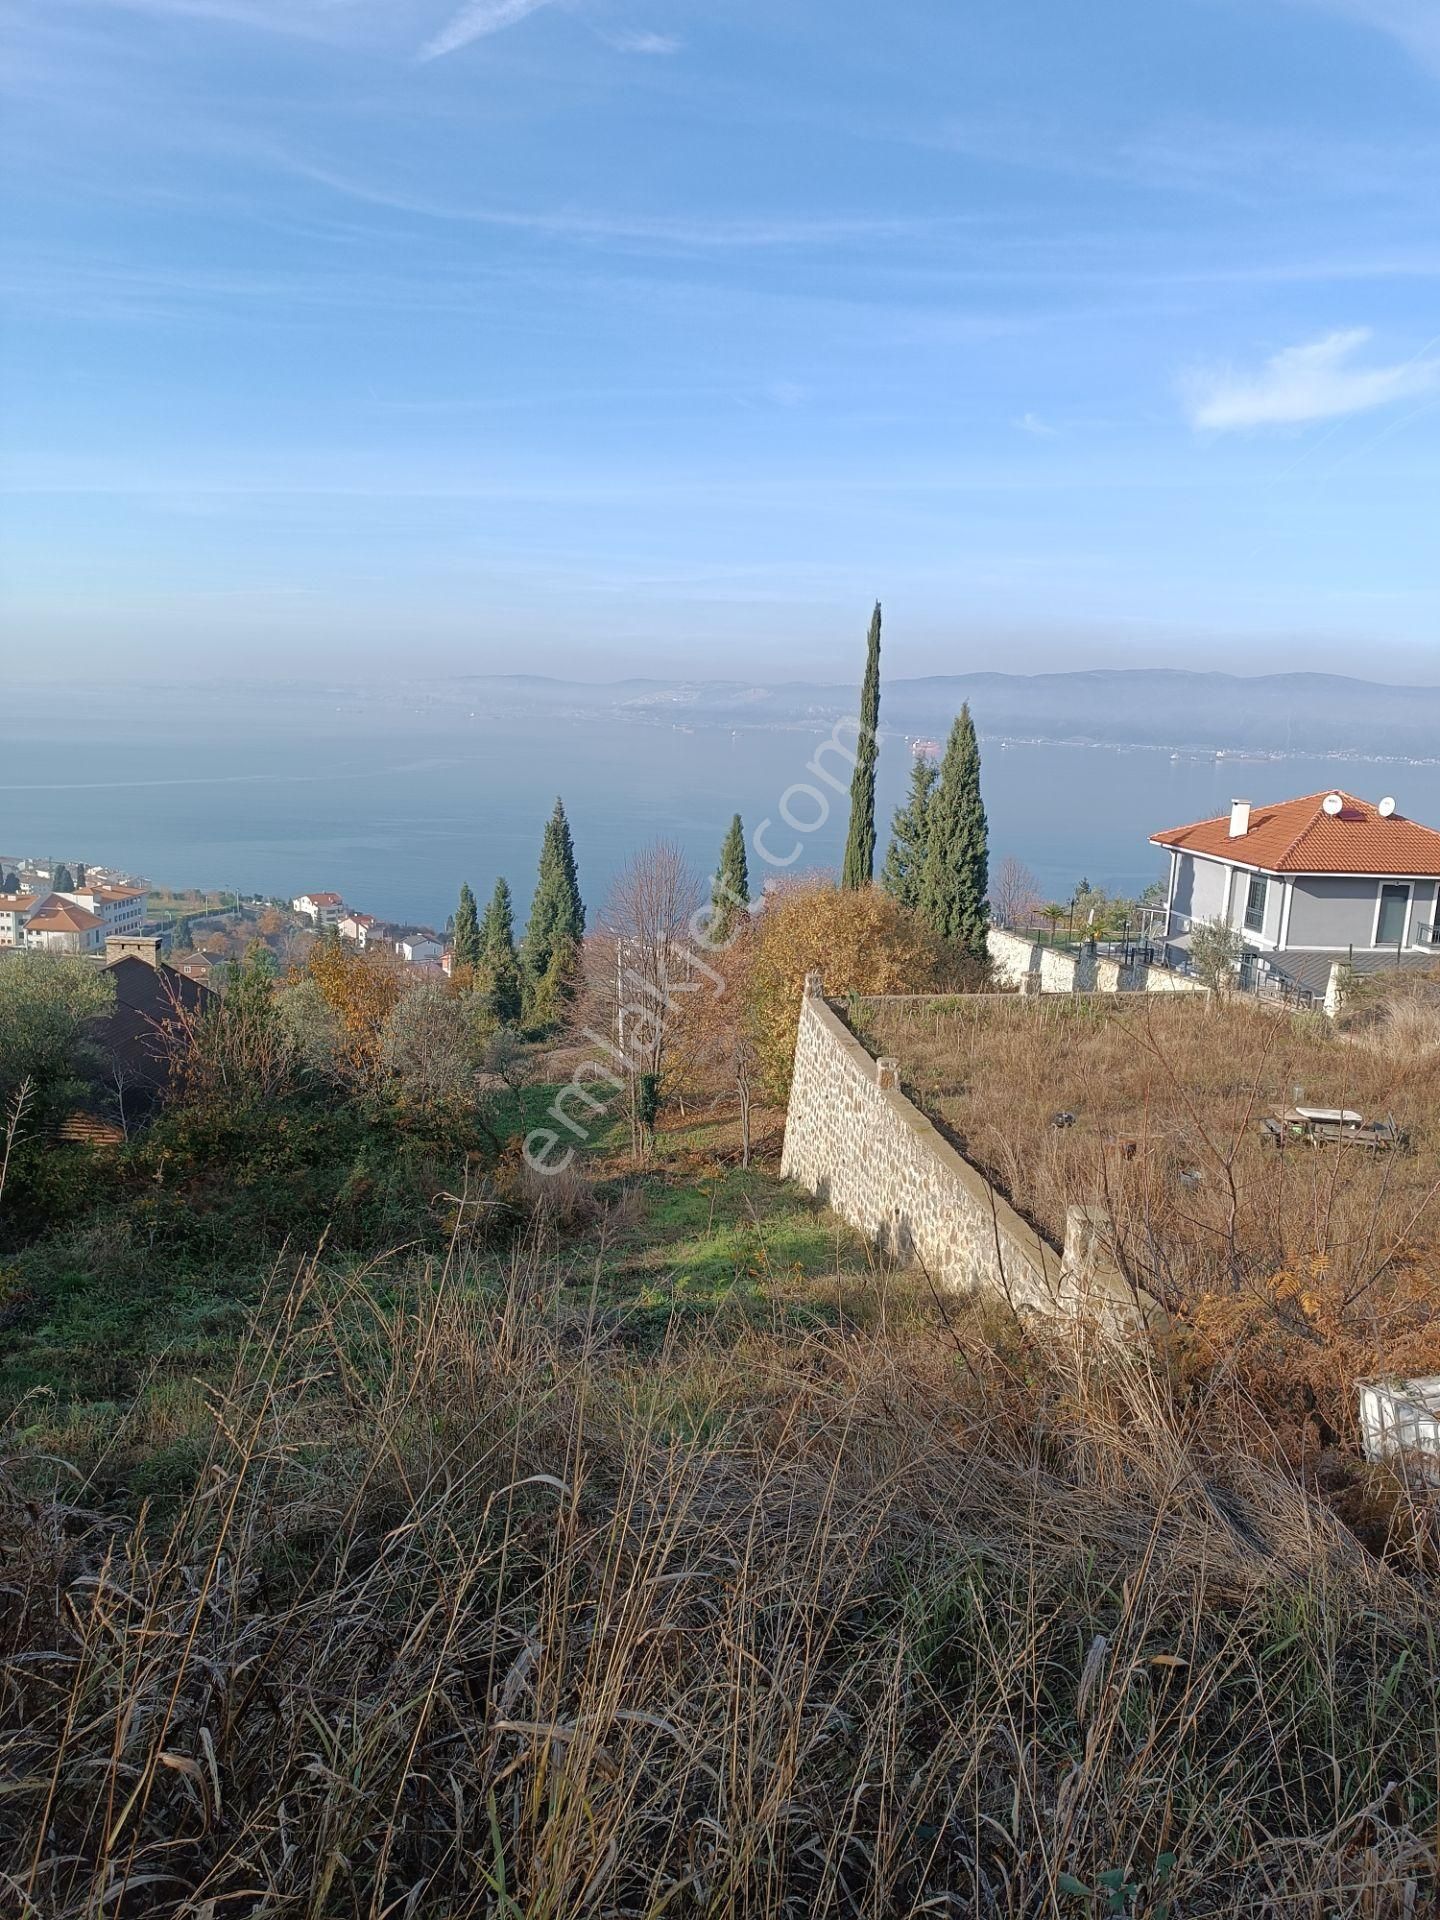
{"points": [[1309, 713]]}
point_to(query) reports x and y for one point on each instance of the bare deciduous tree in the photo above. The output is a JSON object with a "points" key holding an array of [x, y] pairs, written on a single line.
{"points": [[643, 966], [718, 1044], [1014, 893]]}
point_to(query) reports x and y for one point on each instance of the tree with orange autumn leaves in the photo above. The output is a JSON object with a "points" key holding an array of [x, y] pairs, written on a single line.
{"points": [[359, 990], [738, 1035], [861, 941]]}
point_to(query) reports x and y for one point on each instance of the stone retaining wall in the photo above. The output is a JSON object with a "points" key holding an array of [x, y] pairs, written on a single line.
{"points": [[1034, 968], [853, 1139]]}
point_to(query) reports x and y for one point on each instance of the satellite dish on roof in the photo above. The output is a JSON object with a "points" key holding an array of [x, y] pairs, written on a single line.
{"points": [[1332, 804], [1386, 807]]}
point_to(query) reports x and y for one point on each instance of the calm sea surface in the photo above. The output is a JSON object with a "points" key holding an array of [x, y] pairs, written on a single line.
{"points": [[393, 806]]}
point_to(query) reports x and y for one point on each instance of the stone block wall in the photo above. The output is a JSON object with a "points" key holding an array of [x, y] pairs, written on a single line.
{"points": [[1034, 968], [853, 1139]]}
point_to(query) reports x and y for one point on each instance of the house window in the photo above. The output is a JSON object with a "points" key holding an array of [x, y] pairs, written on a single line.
{"points": [[1394, 906], [1255, 903]]}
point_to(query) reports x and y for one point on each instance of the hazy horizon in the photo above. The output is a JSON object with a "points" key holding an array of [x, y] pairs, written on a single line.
{"points": [[394, 803], [837, 674]]}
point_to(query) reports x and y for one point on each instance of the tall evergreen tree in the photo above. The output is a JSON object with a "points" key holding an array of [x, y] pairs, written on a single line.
{"points": [[730, 891], [548, 994], [12, 882], [956, 875], [499, 963], [63, 881], [556, 925], [79, 876], [465, 945], [909, 834], [859, 867]]}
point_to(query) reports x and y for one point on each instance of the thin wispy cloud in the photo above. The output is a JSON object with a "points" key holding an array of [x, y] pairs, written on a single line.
{"points": [[1318, 380], [295, 19], [1037, 428], [683, 233], [475, 22], [644, 42], [1414, 23]]}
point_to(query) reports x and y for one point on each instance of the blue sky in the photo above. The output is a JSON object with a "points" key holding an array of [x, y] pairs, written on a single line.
{"points": [[609, 335]]}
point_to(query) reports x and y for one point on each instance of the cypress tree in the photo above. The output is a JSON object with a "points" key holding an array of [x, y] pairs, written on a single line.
{"points": [[956, 875], [730, 891], [547, 994], [498, 961], [63, 881], [11, 883], [557, 921], [859, 867], [909, 833], [466, 943]]}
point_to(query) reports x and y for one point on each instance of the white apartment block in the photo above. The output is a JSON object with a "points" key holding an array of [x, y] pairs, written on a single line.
{"points": [[119, 909], [15, 911], [324, 909]]}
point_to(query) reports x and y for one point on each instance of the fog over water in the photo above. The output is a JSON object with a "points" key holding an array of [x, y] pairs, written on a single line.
{"points": [[393, 802]]}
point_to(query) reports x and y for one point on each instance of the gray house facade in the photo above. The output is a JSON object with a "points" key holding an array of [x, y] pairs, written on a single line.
{"points": [[1307, 884]]}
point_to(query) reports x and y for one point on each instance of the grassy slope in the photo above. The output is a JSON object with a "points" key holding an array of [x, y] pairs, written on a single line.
{"points": [[129, 1307], [662, 1561], [480, 1607]]}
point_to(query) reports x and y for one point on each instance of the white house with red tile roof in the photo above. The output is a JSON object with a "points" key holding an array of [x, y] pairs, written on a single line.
{"points": [[58, 925], [323, 908], [121, 908], [358, 928], [1308, 883]]}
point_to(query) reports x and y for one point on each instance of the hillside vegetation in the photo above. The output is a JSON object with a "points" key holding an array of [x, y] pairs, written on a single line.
{"points": [[473, 1607], [388, 1529]]}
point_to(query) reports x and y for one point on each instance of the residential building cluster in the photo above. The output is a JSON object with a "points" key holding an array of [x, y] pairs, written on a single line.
{"points": [[75, 919], [416, 946]]}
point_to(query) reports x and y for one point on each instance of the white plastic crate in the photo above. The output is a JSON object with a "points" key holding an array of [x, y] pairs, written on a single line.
{"points": [[1400, 1419]]}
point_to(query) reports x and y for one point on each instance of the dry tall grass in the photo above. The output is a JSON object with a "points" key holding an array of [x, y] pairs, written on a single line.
{"points": [[1397, 1014], [474, 1612], [1321, 1263]]}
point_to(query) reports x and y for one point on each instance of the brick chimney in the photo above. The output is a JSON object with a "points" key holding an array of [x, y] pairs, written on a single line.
{"points": [[1239, 819], [133, 946]]}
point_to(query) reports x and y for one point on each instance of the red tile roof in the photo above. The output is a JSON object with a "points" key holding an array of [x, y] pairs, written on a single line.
{"points": [[1298, 836], [62, 916], [324, 899]]}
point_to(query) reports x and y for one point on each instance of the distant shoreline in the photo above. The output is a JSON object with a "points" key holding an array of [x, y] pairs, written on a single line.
{"points": [[1199, 753]]}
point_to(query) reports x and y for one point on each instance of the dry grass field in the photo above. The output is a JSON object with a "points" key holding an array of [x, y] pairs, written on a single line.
{"points": [[1152, 1107], [668, 1557], [474, 1609]]}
